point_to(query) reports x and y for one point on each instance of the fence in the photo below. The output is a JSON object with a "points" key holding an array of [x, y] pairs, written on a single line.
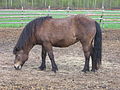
{"points": [[23, 16]]}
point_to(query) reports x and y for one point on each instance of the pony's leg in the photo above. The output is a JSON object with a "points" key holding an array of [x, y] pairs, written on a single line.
{"points": [[43, 55], [94, 63], [87, 50], [48, 48]]}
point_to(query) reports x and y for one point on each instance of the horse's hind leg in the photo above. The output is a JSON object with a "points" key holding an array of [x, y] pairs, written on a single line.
{"points": [[94, 63], [43, 55], [48, 48], [87, 50]]}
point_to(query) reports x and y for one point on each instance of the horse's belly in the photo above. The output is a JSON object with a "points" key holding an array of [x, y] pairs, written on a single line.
{"points": [[65, 42]]}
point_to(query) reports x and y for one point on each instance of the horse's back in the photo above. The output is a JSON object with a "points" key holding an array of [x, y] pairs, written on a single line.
{"points": [[66, 31]]}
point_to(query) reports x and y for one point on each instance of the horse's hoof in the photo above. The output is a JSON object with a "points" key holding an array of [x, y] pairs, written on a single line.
{"points": [[54, 69], [85, 70], [93, 70], [42, 68]]}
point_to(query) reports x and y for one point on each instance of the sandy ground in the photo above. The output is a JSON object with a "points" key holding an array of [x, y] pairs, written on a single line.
{"points": [[70, 62]]}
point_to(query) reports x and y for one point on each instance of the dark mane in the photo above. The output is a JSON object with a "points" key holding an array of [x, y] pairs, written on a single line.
{"points": [[28, 31]]}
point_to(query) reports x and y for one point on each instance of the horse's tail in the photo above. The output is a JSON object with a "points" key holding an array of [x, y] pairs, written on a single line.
{"points": [[98, 45]]}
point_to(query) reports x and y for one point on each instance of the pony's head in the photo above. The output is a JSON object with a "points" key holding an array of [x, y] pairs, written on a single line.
{"points": [[26, 41], [20, 58]]}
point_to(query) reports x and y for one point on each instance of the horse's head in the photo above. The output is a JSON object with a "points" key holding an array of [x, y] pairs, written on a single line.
{"points": [[20, 59]]}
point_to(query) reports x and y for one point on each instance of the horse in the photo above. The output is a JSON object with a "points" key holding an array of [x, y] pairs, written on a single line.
{"points": [[53, 32]]}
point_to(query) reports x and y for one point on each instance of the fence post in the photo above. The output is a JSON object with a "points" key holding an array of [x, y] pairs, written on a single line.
{"points": [[102, 17], [22, 15], [68, 10], [48, 10]]}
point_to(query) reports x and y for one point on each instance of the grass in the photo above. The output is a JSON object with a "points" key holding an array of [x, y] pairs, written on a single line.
{"points": [[15, 25]]}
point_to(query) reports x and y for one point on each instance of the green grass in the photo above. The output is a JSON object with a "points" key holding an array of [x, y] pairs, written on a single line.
{"points": [[15, 25]]}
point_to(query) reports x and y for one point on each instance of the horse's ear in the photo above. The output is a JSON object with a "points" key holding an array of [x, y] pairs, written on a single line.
{"points": [[15, 50]]}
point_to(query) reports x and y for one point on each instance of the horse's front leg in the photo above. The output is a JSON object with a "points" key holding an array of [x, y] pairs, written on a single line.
{"points": [[48, 48], [43, 55]]}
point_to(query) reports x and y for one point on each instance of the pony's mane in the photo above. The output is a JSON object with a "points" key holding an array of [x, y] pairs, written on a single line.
{"points": [[28, 31]]}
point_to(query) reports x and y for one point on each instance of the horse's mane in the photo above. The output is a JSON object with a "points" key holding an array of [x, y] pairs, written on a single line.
{"points": [[28, 31]]}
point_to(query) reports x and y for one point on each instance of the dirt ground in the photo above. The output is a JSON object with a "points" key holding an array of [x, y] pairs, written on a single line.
{"points": [[70, 62]]}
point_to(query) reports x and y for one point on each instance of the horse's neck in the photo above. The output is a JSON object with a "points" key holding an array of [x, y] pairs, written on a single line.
{"points": [[28, 47], [29, 44]]}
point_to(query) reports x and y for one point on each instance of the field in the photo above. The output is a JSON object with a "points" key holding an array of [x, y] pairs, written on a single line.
{"points": [[70, 62], [27, 19]]}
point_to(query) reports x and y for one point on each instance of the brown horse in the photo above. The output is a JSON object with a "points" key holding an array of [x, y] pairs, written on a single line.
{"points": [[48, 32]]}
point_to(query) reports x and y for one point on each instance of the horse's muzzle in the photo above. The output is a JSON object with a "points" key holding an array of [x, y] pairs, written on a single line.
{"points": [[17, 67]]}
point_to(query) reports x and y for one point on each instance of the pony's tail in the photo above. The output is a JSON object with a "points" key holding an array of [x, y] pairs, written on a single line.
{"points": [[98, 45]]}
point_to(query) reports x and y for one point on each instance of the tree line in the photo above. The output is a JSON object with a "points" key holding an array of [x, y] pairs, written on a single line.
{"points": [[59, 4]]}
